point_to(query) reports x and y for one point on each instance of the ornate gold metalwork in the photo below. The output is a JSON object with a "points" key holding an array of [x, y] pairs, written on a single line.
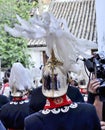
{"points": [[53, 60], [53, 63]]}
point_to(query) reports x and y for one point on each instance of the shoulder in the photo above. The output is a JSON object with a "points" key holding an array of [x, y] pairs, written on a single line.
{"points": [[38, 89], [33, 119], [74, 94], [74, 89], [5, 106], [3, 97], [86, 105], [87, 108], [90, 112], [37, 93], [33, 116]]}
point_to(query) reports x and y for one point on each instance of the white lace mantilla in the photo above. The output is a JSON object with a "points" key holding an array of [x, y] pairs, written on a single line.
{"points": [[20, 102], [58, 110]]}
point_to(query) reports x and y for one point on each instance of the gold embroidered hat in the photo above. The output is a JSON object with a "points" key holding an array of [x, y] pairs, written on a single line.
{"points": [[54, 79]]}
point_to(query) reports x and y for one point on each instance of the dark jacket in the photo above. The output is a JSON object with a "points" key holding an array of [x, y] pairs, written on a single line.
{"points": [[13, 113], [38, 100], [81, 116], [3, 100]]}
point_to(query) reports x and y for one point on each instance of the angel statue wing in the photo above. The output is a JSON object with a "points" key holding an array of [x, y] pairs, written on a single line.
{"points": [[57, 36]]}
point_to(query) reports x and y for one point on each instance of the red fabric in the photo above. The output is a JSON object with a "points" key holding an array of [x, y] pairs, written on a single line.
{"points": [[4, 86], [14, 129], [19, 98], [57, 102], [83, 91]]}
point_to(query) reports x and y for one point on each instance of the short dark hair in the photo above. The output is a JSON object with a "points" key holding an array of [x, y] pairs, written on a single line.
{"points": [[5, 80]]}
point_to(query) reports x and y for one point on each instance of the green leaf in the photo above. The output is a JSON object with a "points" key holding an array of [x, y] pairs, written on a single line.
{"points": [[12, 49]]}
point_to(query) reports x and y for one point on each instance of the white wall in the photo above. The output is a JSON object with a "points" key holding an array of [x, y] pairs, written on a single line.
{"points": [[100, 21], [36, 56]]}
